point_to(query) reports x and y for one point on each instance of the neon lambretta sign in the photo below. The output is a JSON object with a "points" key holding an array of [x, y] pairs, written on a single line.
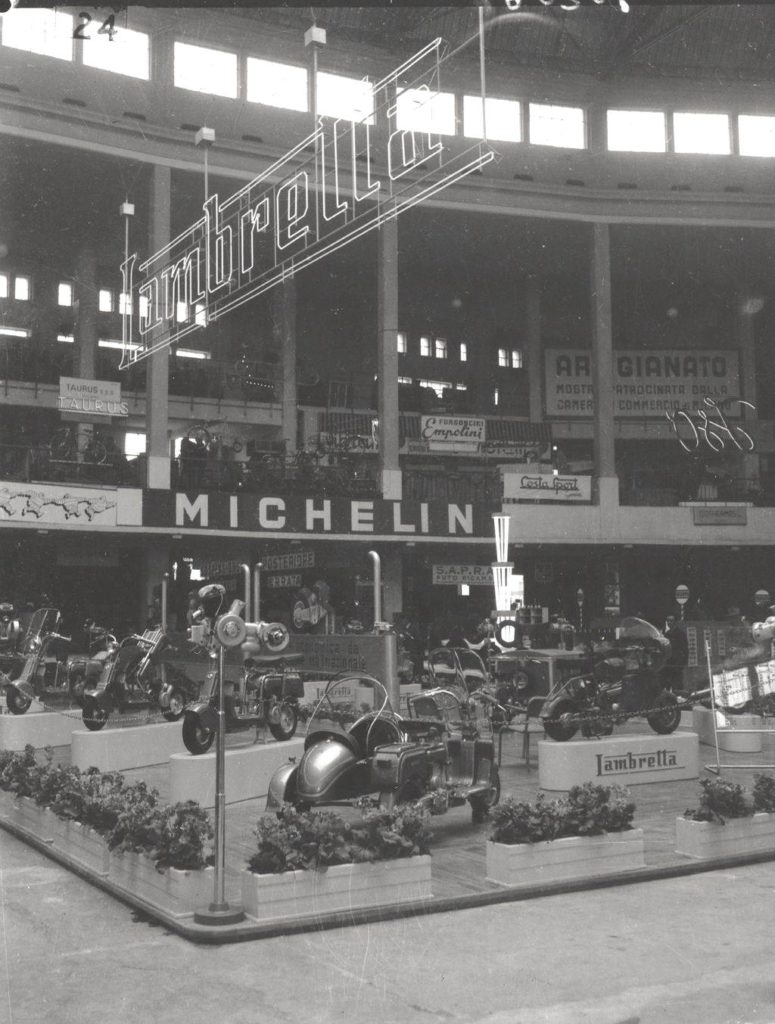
{"points": [[297, 211]]}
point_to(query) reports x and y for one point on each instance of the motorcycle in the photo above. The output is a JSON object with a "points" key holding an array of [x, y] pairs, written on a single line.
{"points": [[623, 683], [29, 677], [78, 667], [441, 754], [10, 634], [268, 690], [135, 673]]}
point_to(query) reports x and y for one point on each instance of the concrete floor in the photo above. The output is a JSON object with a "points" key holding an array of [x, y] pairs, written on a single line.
{"points": [[693, 950]]}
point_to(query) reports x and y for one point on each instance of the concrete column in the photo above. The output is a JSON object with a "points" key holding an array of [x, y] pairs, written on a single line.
{"points": [[744, 336], [602, 366], [387, 358], [157, 365], [392, 583], [284, 338], [535, 369], [155, 562], [86, 294]]}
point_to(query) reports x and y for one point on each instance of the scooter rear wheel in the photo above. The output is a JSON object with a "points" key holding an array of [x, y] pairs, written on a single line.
{"points": [[197, 738], [558, 727], [94, 717], [668, 718], [285, 726], [17, 702]]}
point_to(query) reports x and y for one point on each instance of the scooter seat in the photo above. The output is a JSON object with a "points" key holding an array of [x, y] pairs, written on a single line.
{"points": [[268, 660]]}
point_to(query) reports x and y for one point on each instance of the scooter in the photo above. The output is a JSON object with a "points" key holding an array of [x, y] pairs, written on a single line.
{"points": [[624, 683], [10, 634], [27, 678], [135, 674], [267, 693], [82, 666]]}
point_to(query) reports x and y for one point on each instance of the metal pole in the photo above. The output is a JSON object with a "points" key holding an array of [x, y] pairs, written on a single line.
{"points": [[219, 911], [164, 586], [246, 587], [377, 585], [257, 591]]}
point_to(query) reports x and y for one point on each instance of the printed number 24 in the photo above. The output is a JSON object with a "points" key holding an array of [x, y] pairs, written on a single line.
{"points": [[107, 28]]}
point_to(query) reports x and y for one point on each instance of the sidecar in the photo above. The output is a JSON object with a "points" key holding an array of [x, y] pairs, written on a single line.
{"points": [[437, 754]]}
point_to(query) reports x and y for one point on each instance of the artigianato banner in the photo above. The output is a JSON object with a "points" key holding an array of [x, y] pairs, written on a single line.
{"points": [[644, 383]]}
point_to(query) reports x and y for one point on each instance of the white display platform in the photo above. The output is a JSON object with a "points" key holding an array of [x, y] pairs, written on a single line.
{"points": [[113, 750], [248, 771], [46, 729], [626, 760], [726, 728]]}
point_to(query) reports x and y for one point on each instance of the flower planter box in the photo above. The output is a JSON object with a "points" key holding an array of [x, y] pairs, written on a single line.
{"points": [[340, 887], [81, 844], [176, 892], [25, 813], [564, 859], [700, 839]]}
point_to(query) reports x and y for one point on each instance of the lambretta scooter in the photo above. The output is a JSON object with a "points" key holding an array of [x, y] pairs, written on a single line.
{"points": [[135, 674], [624, 683], [28, 679], [10, 635], [268, 691], [87, 664]]}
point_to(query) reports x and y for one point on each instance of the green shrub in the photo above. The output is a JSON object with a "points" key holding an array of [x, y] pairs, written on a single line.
{"points": [[764, 793], [587, 810], [128, 816], [305, 840], [720, 800]]}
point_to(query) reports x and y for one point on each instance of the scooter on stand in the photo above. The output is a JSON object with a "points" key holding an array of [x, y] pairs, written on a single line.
{"points": [[84, 668], [136, 674], [10, 635], [29, 678], [268, 690]]}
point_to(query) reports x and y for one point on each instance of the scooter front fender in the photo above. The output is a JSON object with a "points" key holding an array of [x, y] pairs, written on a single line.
{"points": [[282, 787]]}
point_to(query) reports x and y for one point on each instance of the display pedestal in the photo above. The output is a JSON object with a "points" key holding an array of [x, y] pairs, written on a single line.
{"points": [[46, 729], [248, 771], [726, 729], [115, 750], [624, 760]]}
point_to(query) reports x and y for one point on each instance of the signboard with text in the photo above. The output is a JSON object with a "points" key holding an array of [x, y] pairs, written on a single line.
{"points": [[448, 433], [645, 383], [91, 397], [473, 575], [546, 487]]}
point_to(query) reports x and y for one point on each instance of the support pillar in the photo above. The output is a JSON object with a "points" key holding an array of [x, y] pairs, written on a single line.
{"points": [[392, 584], [284, 338], [157, 365], [603, 367], [86, 292], [745, 338], [387, 359], [155, 562], [535, 373]]}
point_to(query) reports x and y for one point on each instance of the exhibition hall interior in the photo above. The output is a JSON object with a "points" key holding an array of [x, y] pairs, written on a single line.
{"points": [[387, 453]]}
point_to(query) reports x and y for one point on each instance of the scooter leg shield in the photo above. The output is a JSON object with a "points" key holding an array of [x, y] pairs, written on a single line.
{"points": [[282, 787], [206, 714]]}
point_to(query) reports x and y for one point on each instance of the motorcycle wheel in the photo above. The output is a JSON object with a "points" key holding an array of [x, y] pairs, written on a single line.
{"points": [[555, 728], [76, 685], [668, 718], [94, 717], [17, 702], [196, 737], [285, 727], [176, 706], [480, 805]]}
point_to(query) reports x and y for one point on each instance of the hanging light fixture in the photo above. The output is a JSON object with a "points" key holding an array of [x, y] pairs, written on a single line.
{"points": [[501, 569]]}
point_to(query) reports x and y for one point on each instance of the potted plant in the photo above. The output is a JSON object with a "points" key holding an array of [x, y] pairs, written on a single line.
{"points": [[727, 821], [312, 862], [588, 832], [99, 821]]}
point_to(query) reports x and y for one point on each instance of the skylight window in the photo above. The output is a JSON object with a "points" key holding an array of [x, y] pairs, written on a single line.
{"points": [[49, 33], [127, 53], [423, 110], [701, 133], [351, 99], [552, 125], [277, 85], [204, 70], [503, 119], [636, 131], [757, 135]]}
